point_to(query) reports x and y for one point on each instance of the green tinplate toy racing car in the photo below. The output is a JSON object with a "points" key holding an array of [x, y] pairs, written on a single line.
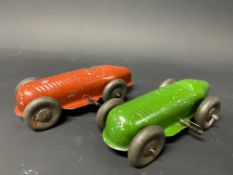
{"points": [[141, 125]]}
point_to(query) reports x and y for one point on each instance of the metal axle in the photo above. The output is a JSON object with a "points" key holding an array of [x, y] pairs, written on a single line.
{"points": [[195, 127]]}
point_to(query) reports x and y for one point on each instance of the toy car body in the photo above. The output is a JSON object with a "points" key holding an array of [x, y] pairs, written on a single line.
{"points": [[170, 108], [72, 89]]}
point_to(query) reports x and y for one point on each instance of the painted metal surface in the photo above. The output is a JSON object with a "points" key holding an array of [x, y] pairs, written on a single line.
{"points": [[71, 89], [164, 107]]}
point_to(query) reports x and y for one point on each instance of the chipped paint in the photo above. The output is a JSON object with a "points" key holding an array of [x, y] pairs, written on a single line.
{"points": [[71, 95]]}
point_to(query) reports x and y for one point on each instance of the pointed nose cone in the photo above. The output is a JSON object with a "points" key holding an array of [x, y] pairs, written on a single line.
{"points": [[200, 87], [203, 87], [203, 84]]}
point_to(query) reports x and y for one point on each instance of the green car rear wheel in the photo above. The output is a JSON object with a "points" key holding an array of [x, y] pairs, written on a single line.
{"points": [[105, 109], [208, 112]]}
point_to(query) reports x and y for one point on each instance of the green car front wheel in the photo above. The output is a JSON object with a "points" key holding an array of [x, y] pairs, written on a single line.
{"points": [[105, 109], [146, 146]]}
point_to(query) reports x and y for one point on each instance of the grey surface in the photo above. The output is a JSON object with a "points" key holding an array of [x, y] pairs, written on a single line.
{"points": [[75, 146], [156, 39]]}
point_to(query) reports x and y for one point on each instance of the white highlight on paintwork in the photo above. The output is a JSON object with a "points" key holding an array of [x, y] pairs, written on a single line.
{"points": [[54, 84], [50, 85], [42, 88], [21, 98], [45, 81], [70, 95], [121, 121], [108, 78], [60, 82], [38, 89], [46, 87], [21, 95], [27, 92]]}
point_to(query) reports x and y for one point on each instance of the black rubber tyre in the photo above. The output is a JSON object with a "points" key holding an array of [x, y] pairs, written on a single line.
{"points": [[105, 109], [24, 81], [42, 113], [115, 89], [208, 112], [166, 82], [146, 146]]}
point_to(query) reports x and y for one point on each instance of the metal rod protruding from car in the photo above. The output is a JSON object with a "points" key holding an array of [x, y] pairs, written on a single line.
{"points": [[195, 127], [93, 102]]}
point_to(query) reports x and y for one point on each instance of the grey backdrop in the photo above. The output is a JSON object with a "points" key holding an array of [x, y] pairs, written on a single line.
{"points": [[156, 39]]}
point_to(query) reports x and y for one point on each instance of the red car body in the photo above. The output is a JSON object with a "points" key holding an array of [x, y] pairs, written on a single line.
{"points": [[72, 89]]}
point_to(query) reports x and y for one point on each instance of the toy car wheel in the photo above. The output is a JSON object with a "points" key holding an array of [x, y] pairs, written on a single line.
{"points": [[166, 82], [42, 113], [115, 89], [208, 112], [105, 109], [146, 146], [24, 81]]}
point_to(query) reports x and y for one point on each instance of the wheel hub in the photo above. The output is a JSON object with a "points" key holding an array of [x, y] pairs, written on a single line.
{"points": [[212, 113], [117, 93], [44, 115], [151, 149]]}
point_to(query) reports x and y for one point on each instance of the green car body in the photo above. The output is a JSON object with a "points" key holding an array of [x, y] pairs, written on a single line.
{"points": [[163, 107]]}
